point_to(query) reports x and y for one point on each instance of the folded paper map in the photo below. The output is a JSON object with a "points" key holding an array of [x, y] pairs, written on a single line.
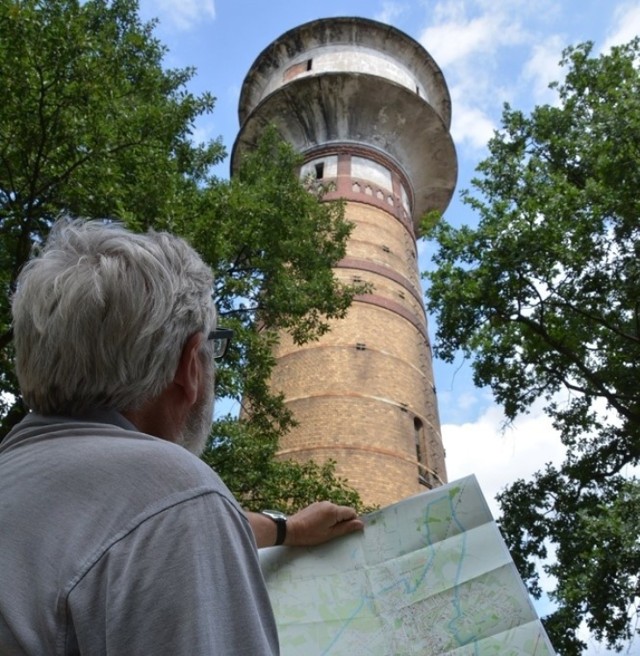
{"points": [[429, 575]]}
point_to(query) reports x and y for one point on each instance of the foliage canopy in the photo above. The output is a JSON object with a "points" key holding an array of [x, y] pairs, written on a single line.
{"points": [[544, 297], [93, 126]]}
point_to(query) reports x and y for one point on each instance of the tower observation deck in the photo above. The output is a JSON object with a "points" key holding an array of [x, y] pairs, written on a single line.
{"points": [[369, 110]]}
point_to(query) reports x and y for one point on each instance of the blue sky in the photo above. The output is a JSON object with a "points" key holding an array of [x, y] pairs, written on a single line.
{"points": [[490, 52]]}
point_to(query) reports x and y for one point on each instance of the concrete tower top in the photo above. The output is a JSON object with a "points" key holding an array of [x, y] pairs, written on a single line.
{"points": [[350, 45], [341, 81]]}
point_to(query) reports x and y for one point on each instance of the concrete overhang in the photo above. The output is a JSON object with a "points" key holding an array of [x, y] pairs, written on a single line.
{"points": [[346, 107], [296, 45]]}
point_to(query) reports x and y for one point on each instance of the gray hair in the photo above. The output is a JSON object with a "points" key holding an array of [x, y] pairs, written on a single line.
{"points": [[101, 315]]}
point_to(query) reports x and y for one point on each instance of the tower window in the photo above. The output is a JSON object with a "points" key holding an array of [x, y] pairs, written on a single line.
{"points": [[319, 170], [417, 432], [309, 64], [296, 69]]}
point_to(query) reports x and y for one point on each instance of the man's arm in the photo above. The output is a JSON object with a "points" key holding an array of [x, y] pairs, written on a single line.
{"points": [[320, 522], [184, 581]]}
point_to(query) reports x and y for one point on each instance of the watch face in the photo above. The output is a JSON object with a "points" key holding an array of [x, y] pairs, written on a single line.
{"points": [[274, 514]]}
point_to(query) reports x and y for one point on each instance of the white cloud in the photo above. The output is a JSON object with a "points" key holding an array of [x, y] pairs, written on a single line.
{"points": [[464, 398], [498, 458], [183, 15], [468, 400], [456, 36], [543, 67], [626, 25], [233, 95], [471, 40], [202, 133], [470, 124], [390, 11]]}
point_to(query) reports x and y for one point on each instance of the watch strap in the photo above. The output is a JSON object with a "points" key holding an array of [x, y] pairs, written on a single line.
{"points": [[280, 520]]}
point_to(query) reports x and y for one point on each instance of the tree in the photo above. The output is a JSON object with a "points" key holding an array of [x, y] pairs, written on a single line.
{"points": [[544, 297], [93, 126], [90, 126], [273, 253]]}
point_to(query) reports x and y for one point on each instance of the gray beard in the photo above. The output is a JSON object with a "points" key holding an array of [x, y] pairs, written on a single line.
{"points": [[198, 426]]}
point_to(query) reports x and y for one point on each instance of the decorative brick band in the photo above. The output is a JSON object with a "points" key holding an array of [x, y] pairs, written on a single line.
{"points": [[365, 449], [400, 406], [345, 191], [360, 150], [352, 189], [381, 270], [326, 347], [396, 308]]}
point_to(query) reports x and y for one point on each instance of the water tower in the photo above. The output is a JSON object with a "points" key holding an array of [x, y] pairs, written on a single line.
{"points": [[369, 110]]}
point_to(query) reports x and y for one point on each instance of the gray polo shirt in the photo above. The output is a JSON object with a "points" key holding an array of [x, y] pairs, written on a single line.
{"points": [[115, 542]]}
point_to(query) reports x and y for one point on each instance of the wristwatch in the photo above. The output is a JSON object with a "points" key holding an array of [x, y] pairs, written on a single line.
{"points": [[281, 524]]}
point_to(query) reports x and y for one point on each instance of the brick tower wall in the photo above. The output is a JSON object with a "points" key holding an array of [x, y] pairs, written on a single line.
{"points": [[364, 394], [368, 109]]}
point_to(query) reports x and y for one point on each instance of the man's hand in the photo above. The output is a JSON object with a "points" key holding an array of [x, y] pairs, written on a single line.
{"points": [[320, 522]]}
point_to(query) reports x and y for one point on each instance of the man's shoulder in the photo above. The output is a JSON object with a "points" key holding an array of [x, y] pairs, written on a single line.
{"points": [[110, 449]]}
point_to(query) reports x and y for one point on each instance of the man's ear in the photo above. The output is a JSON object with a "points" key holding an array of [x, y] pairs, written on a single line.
{"points": [[189, 372]]}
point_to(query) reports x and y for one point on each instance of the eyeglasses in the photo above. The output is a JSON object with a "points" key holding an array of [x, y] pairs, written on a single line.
{"points": [[221, 340]]}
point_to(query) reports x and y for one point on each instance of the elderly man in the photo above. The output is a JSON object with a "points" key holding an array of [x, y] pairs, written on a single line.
{"points": [[116, 538]]}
